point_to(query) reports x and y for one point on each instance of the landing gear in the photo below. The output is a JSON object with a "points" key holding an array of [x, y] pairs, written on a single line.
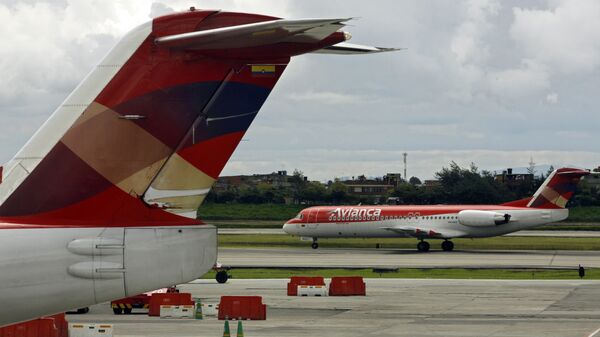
{"points": [[117, 311], [222, 276], [447, 246], [314, 245], [423, 246]]}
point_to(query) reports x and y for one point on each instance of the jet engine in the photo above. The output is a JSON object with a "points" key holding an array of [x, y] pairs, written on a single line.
{"points": [[482, 218]]}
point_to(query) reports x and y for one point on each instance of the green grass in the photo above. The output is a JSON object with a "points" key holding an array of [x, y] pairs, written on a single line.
{"points": [[584, 214], [248, 211], [502, 242], [497, 274], [247, 223]]}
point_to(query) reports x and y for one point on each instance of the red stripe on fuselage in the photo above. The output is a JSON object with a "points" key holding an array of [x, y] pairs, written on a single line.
{"points": [[322, 214]]}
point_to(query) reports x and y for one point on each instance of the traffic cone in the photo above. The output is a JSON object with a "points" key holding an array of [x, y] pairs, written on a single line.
{"points": [[198, 311], [226, 332], [240, 330]]}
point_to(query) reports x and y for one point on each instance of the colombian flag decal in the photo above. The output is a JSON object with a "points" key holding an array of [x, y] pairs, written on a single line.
{"points": [[263, 69]]}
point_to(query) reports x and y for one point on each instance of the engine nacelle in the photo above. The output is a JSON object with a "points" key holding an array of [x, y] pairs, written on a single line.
{"points": [[482, 218]]}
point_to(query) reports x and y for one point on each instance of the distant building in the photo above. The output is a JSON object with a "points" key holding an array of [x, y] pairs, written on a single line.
{"points": [[514, 179], [431, 184], [394, 179], [275, 179], [371, 189]]}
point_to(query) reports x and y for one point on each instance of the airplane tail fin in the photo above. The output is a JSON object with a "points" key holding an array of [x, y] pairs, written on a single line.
{"points": [[558, 188], [161, 114]]}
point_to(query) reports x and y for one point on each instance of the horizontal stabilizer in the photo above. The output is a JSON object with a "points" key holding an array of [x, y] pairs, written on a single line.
{"points": [[254, 34], [353, 49]]}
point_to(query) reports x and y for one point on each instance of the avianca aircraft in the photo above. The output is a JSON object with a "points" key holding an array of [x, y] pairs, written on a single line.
{"points": [[92, 207], [440, 222]]}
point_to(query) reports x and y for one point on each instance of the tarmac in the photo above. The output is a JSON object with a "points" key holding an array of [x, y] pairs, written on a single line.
{"points": [[392, 307], [405, 258]]}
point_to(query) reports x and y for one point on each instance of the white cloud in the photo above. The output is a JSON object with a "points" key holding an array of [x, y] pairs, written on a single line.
{"points": [[529, 79], [565, 36], [468, 44], [552, 98], [327, 97], [473, 78]]}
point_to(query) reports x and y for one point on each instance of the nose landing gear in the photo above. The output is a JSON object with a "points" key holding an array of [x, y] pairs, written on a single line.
{"points": [[314, 245]]}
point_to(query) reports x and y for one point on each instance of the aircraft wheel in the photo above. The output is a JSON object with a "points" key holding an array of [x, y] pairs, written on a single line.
{"points": [[117, 311], [423, 246], [447, 246], [127, 311], [222, 276], [314, 245]]}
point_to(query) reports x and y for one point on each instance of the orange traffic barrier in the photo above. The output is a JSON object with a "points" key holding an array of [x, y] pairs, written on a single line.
{"points": [[42, 327], [295, 281], [242, 307], [168, 299], [61, 324], [347, 286]]}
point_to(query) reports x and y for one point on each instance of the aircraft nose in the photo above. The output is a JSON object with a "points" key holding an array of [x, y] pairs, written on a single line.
{"points": [[287, 227]]}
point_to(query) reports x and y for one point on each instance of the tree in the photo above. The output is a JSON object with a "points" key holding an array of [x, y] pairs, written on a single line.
{"points": [[460, 185], [414, 181]]}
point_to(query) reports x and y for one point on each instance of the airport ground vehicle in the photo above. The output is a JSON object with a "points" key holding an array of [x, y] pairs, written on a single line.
{"points": [[115, 175], [443, 222]]}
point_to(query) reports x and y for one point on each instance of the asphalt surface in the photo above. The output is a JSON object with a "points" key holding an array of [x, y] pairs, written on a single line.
{"points": [[392, 307], [372, 258]]}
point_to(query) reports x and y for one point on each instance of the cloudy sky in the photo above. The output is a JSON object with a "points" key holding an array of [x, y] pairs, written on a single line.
{"points": [[489, 82]]}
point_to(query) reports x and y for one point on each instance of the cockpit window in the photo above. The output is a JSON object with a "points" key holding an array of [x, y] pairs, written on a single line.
{"points": [[299, 216]]}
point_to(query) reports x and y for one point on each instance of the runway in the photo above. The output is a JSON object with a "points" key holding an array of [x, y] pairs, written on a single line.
{"points": [[372, 258], [544, 233], [392, 307]]}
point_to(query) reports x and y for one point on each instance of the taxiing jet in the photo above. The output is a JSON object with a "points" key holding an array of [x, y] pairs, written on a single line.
{"points": [[443, 222], [93, 207]]}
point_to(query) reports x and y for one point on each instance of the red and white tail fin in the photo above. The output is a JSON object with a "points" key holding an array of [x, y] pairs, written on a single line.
{"points": [[558, 188], [151, 128]]}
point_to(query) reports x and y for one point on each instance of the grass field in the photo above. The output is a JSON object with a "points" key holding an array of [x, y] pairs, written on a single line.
{"points": [[276, 212], [497, 274], [248, 211], [502, 242], [584, 214]]}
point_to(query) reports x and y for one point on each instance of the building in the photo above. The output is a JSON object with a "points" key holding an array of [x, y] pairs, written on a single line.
{"points": [[275, 179], [372, 190], [514, 179]]}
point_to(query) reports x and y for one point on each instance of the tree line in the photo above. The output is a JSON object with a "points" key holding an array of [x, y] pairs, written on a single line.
{"points": [[457, 185]]}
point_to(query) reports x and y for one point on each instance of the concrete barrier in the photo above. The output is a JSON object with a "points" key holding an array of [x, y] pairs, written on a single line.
{"points": [[90, 330]]}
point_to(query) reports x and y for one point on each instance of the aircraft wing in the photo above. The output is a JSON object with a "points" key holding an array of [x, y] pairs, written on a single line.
{"points": [[422, 232]]}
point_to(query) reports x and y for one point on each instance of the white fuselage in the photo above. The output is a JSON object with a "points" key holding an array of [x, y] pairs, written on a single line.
{"points": [[58, 269], [445, 224]]}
